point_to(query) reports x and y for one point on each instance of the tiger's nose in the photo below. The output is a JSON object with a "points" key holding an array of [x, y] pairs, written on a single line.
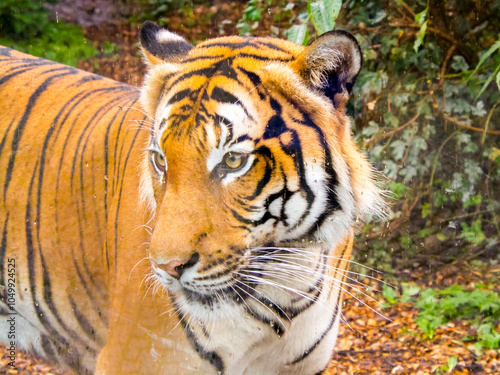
{"points": [[176, 268]]}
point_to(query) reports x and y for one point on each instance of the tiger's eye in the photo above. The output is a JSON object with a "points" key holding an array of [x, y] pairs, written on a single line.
{"points": [[159, 162], [233, 160]]}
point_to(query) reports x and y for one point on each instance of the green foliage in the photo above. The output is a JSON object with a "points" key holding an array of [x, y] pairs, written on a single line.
{"points": [[25, 26], [448, 368], [481, 307], [322, 14], [427, 111], [420, 19], [250, 18]]}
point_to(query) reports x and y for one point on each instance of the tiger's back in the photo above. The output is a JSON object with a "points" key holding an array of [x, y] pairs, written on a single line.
{"points": [[66, 139]]}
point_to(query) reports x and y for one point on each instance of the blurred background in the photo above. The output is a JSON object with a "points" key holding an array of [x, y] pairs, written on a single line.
{"points": [[424, 289]]}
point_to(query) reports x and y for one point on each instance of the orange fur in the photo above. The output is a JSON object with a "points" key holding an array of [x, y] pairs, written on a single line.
{"points": [[75, 168]]}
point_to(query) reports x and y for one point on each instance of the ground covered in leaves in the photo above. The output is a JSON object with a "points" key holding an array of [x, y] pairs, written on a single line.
{"points": [[376, 338]]}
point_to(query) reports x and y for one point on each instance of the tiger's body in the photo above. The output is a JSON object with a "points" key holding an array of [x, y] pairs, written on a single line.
{"points": [[209, 234]]}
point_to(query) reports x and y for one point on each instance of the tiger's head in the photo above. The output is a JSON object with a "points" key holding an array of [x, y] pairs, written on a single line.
{"points": [[251, 172]]}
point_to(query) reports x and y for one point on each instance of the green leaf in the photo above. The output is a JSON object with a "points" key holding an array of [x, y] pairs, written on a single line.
{"points": [[409, 290], [398, 189], [452, 362], [426, 210], [492, 49], [389, 294], [391, 120], [420, 17], [441, 237], [332, 10], [371, 129], [298, 34], [488, 81], [498, 80], [459, 64], [473, 201], [422, 233], [319, 17], [420, 36], [474, 233], [399, 148]]}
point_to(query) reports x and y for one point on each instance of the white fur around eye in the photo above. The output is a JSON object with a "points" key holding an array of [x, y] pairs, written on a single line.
{"points": [[275, 207], [161, 115], [295, 207]]}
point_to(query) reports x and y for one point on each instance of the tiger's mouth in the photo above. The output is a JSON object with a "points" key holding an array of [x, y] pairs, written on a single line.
{"points": [[262, 280]]}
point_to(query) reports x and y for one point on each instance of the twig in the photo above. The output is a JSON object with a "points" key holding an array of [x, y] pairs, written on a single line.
{"points": [[407, 152], [408, 9], [465, 51], [462, 125], [470, 214], [487, 123], [434, 165], [388, 134], [444, 65]]}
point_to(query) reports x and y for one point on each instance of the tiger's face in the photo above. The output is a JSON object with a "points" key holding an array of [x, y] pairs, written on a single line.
{"points": [[251, 173]]}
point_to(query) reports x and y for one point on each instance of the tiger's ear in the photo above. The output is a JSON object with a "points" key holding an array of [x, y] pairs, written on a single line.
{"points": [[331, 64], [160, 45]]}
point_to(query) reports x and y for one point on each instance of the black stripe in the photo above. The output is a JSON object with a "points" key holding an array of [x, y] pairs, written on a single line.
{"points": [[80, 203], [335, 312], [97, 115], [263, 58], [200, 58], [247, 42], [85, 325], [271, 45], [212, 357], [4, 138], [106, 162], [254, 78], [269, 160], [22, 123], [179, 96], [308, 351], [32, 270], [46, 345], [82, 163], [3, 250], [118, 156], [120, 196], [20, 70], [78, 99], [46, 276]]}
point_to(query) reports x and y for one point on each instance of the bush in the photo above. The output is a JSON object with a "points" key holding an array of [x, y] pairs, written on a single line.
{"points": [[426, 108], [25, 26]]}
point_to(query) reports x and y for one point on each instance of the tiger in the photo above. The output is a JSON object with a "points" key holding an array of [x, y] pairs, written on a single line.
{"points": [[202, 224]]}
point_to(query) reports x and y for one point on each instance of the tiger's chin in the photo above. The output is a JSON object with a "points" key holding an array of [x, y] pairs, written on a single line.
{"points": [[271, 281], [265, 302]]}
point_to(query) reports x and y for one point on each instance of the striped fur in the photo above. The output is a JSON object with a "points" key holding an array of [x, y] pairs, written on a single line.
{"points": [[140, 249]]}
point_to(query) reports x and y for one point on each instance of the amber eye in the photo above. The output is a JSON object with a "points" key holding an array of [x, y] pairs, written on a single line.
{"points": [[159, 162], [233, 160]]}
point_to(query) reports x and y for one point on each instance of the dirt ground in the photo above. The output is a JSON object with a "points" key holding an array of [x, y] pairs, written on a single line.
{"points": [[372, 340]]}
